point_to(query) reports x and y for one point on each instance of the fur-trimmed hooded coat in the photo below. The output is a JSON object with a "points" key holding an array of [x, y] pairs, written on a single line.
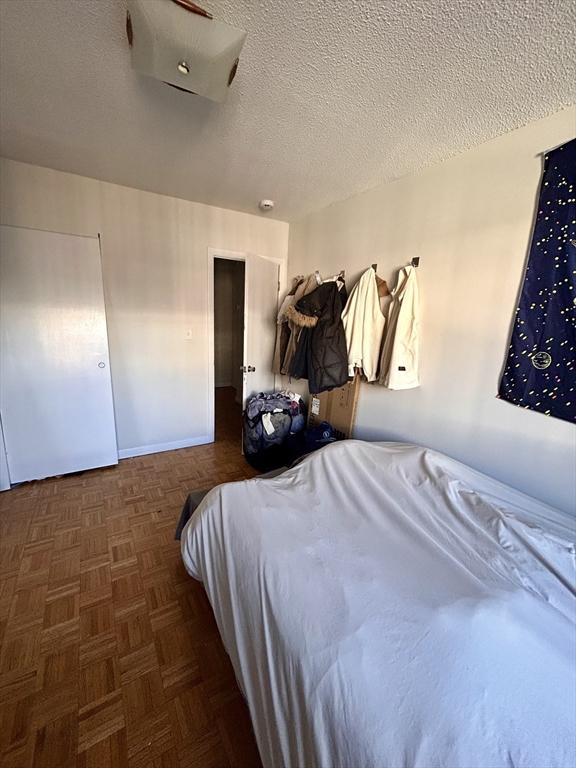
{"points": [[321, 354], [287, 332]]}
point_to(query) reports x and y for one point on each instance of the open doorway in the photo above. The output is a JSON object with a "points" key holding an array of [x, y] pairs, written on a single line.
{"points": [[229, 287]]}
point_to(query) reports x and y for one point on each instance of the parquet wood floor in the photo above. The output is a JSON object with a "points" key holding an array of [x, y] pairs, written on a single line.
{"points": [[110, 655]]}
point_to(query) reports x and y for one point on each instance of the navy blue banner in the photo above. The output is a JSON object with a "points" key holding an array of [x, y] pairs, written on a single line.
{"points": [[540, 371]]}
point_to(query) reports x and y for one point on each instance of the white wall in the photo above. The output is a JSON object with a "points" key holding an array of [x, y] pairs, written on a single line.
{"points": [[470, 220], [155, 267]]}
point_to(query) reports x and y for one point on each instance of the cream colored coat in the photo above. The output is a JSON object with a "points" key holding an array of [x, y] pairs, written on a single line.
{"points": [[364, 325], [400, 362]]}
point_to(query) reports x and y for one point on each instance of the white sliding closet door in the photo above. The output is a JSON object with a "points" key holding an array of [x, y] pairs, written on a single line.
{"points": [[56, 392]]}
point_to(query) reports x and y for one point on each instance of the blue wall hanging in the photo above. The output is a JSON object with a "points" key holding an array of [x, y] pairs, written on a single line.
{"points": [[540, 370]]}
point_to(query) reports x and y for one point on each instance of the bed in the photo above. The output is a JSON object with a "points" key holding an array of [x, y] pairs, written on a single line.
{"points": [[386, 606]]}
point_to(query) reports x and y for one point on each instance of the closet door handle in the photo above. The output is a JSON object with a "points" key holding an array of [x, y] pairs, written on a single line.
{"points": [[243, 368], [251, 369]]}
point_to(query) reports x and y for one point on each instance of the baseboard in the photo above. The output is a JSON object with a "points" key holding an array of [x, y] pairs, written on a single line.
{"points": [[143, 450]]}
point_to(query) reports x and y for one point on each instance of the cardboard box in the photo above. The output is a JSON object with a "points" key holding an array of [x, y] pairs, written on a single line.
{"points": [[337, 407]]}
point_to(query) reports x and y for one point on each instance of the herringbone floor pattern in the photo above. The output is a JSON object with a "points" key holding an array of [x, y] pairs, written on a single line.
{"points": [[110, 655]]}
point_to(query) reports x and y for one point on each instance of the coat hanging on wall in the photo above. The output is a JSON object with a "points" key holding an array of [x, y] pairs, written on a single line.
{"points": [[400, 358], [321, 354], [540, 371], [364, 325]]}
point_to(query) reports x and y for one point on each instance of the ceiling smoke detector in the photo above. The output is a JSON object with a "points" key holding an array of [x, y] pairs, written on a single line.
{"points": [[179, 43], [266, 205]]}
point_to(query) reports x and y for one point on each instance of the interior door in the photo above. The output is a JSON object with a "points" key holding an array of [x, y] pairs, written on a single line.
{"points": [[56, 392], [260, 312]]}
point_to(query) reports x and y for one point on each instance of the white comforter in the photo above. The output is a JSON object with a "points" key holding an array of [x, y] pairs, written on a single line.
{"points": [[386, 606]]}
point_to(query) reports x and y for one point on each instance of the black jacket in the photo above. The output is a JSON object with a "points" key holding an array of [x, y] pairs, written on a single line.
{"points": [[321, 355]]}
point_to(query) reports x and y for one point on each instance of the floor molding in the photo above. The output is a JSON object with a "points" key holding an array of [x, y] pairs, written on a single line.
{"points": [[144, 450]]}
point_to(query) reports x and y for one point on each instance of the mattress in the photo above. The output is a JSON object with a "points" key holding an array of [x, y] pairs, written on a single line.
{"points": [[386, 606]]}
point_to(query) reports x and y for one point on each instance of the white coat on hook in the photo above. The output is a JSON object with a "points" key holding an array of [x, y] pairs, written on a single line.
{"points": [[400, 361], [364, 325]]}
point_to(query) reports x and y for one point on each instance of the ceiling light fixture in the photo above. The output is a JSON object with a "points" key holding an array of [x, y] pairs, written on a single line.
{"points": [[179, 43]]}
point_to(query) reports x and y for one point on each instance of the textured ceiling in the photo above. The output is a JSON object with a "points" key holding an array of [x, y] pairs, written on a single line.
{"points": [[332, 96]]}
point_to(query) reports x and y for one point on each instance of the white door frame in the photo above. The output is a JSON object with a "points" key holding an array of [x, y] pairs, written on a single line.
{"points": [[4, 471], [223, 253]]}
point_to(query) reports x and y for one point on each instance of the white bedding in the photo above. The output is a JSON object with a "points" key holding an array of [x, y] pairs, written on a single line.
{"points": [[386, 606]]}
